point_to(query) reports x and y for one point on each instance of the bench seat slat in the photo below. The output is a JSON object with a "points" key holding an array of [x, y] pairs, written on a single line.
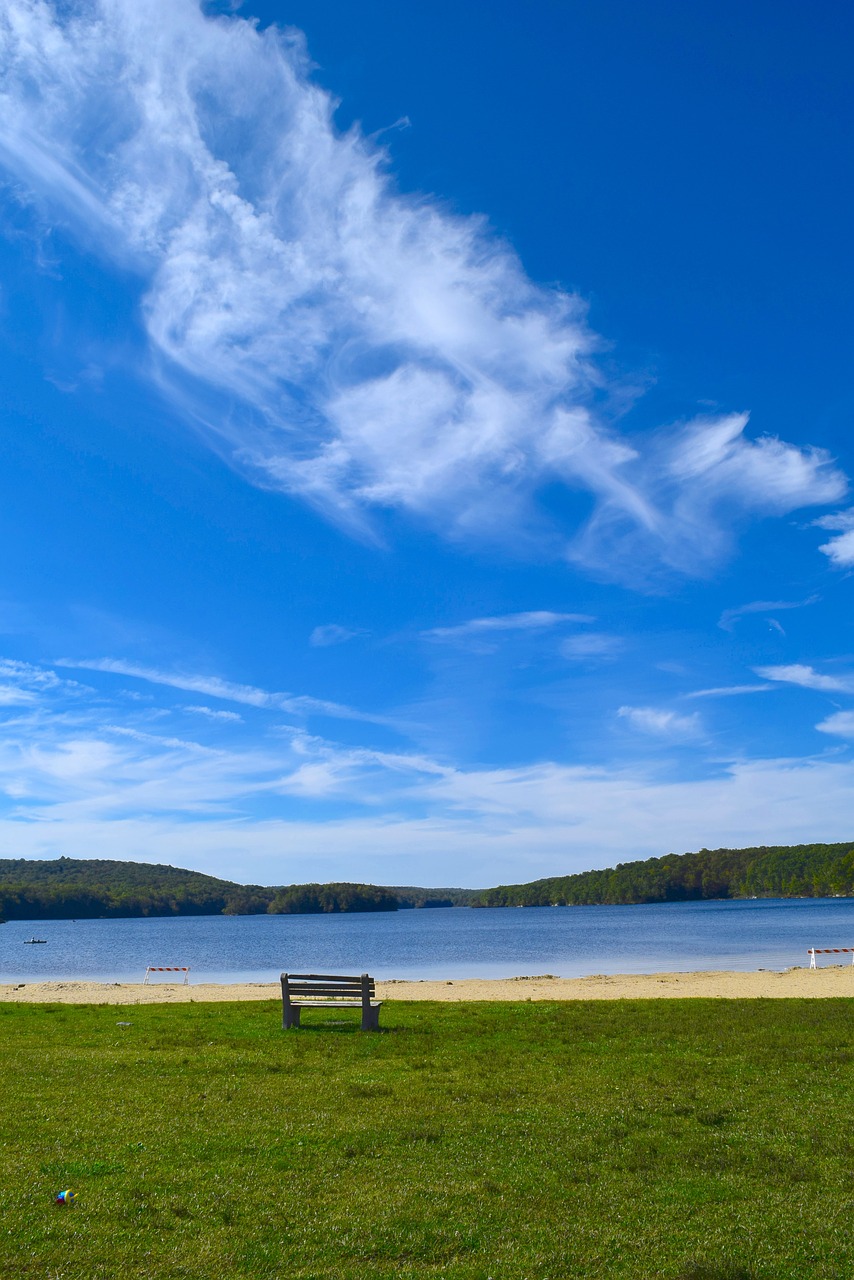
{"points": [[323, 977], [325, 988], [328, 995], [303, 989], [336, 986], [335, 1004]]}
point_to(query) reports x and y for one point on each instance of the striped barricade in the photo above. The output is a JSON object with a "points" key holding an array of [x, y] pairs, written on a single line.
{"points": [[829, 951], [167, 968]]}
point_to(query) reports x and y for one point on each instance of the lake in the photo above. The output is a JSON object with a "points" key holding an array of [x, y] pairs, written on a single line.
{"points": [[458, 942]]}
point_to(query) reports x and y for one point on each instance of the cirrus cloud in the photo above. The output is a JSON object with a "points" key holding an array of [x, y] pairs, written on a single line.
{"points": [[334, 338], [840, 548], [806, 677], [841, 723], [82, 774], [660, 722], [332, 633], [532, 620]]}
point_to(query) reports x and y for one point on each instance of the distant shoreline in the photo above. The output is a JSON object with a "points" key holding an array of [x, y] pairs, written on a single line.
{"points": [[831, 981], [454, 906], [81, 888]]}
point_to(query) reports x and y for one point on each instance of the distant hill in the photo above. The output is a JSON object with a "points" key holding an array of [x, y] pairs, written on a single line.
{"points": [[80, 887], [83, 888], [65, 888], [410, 896], [768, 871]]}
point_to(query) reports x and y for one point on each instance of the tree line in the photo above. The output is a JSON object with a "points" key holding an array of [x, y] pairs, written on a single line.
{"points": [[767, 871], [63, 888], [83, 888]]}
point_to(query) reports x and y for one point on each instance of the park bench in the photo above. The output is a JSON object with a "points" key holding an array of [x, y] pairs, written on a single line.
{"points": [[329, 991]]}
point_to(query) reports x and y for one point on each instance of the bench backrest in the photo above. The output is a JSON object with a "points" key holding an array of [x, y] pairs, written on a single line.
{"points": [[328, 984]]}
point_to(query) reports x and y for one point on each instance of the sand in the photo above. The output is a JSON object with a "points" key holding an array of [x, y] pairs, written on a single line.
{"points": [[762, 984]]}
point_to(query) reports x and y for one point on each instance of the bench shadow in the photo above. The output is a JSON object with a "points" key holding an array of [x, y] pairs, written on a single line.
{"points": [[335, 1028]]}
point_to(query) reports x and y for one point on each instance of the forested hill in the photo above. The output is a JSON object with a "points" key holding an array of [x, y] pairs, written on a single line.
{"points": [[81, 887], [772, 871], [84, 888], [68, 887]]}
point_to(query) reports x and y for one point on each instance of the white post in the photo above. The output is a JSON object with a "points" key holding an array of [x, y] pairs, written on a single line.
{"points": [[812, 958]]}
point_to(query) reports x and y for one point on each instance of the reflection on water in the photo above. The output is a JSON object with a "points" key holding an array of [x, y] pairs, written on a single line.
{"points": [[455, 942]]}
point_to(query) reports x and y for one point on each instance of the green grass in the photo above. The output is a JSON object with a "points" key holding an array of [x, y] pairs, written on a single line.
{"points": [[695, 1140]]}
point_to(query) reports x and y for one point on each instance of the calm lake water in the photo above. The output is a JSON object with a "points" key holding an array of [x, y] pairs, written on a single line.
{"points": [[454, 942]]}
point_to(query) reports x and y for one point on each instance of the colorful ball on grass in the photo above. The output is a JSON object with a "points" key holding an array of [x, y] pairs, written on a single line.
{"points": [[68, 1198]]}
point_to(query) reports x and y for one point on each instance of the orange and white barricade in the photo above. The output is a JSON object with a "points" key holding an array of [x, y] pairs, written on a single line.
{"points": [[829, 951], [168, 968]]}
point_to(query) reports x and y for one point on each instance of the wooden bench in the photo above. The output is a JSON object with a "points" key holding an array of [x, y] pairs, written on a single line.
{"points": [[329, 991]]}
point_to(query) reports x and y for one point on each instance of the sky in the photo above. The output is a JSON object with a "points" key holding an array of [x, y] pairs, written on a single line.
{"points": [[425, 434]]}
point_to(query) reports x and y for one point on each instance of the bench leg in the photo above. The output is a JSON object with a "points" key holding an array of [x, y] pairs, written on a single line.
{"points": [[370, 1019], [290, 1017]]}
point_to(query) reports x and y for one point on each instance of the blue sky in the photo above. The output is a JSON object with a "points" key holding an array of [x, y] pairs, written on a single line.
{"points": [[425, 434]]}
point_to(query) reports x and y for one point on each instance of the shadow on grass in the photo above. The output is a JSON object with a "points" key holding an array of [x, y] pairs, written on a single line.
{"points": [[715, 1271], [341, 1028]]}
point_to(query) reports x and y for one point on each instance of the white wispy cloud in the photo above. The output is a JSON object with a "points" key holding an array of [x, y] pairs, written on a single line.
{"points": [[767, 473], [591, 646], [27, 676], [534, 620], [332, 633], [22, 684], [213, 714], [373, 350], [661, 722], [84, 776], [807, 677], [840, 549], [58, 765], [689, 476], [162, 740], [729, 691], [841, 723], [393, 819], [12, 695], [729, 617], [214, 687]]}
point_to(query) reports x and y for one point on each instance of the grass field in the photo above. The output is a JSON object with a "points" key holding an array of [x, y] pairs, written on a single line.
{"points": [[702, 1139]]}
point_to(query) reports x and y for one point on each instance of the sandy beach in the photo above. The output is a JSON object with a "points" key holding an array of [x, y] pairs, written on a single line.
{"points": [[762, 984]]}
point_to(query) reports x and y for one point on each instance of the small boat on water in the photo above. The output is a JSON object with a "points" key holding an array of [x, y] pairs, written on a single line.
{"points": [[28, 942]]}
